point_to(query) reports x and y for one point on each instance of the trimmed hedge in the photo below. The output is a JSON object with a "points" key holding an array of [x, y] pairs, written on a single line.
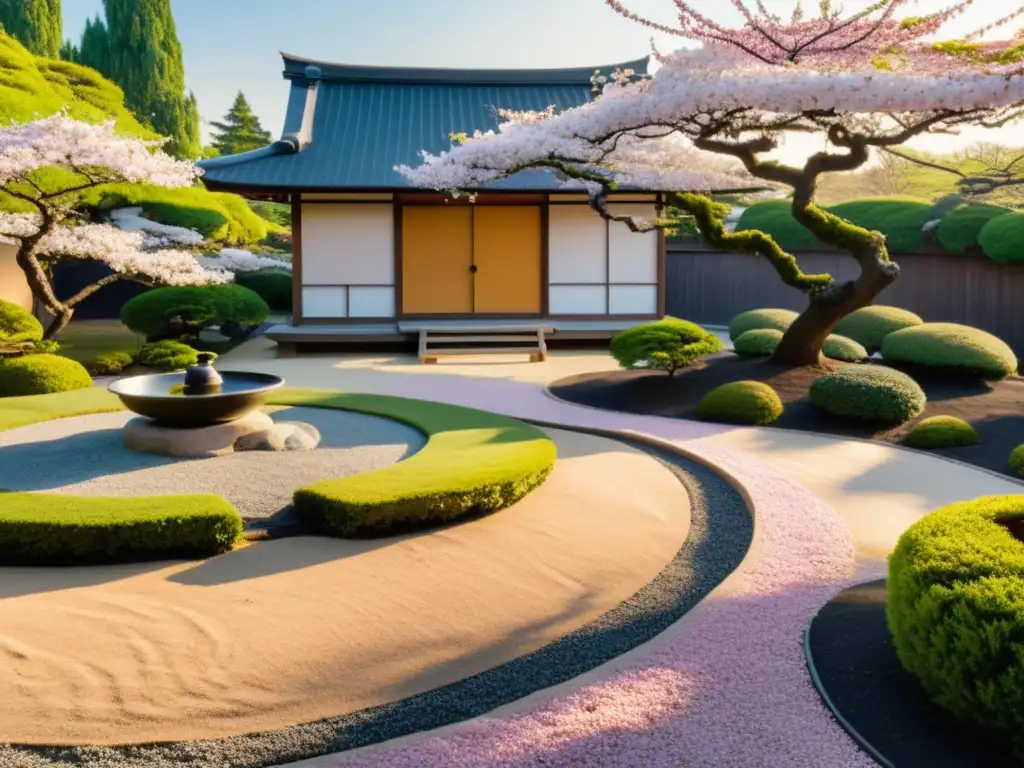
{"points": [[1002, 238], [41, 375], [952, 347], [868, 326], [761, 342], [666, 345], [51, 528], [1016, 461], [168, 355], [741, 402], [955, 608], [155, 313], [474, 463], [756, 319], [274, 286], [941, 432], [869, 393], [960, 230]]}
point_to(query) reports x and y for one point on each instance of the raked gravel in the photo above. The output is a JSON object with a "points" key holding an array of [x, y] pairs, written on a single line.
{"points": [[85, 455]]}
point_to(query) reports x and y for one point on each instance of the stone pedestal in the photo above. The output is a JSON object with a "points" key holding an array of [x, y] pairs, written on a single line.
{"points": [[255, 432]]}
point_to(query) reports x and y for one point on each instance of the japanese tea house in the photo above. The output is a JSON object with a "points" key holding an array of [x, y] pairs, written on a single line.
{"points": [[376, 260]]}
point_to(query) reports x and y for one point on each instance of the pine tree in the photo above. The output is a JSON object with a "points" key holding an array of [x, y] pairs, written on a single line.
{"points": [[240, 130], [69, 52], [36, 24], [94, 50], [144, 58]]}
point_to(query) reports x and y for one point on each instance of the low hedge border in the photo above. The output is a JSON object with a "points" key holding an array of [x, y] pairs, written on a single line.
{"points": [[474, 462]]}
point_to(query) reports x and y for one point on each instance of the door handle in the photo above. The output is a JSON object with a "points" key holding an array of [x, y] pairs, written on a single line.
{"points": [[472, 268]]}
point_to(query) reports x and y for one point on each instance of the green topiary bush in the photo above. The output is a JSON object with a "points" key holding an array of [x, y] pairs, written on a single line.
{"points": [[761, 342], [55, 529], [741, 402], [1002, 238], [952, 347], [168, 355], [185, 310], [869, 393], [666, 345], [1017, 461], [40, 375], [109, 364], [955, 608], [868, 326], [941, 432], [21, 333], [756, 319], [274, 286], [960, 229]]}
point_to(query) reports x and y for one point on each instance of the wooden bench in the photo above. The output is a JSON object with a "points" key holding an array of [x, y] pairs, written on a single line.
{"points": [[436, 343]]}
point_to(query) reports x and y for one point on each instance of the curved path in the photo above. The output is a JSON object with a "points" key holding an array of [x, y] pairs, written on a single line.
{"points": [[727, 684]]}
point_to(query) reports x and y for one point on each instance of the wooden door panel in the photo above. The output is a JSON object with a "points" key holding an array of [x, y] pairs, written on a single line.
{"points": [[437, 253], [507, 256]]}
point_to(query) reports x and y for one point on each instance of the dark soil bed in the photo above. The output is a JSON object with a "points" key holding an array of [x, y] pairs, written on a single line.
{"points": [[851, 650], [994, 409]]}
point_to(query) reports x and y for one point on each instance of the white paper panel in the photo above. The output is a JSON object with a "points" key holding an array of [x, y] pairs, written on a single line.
{"points": [[371, 302], [324, 302], [632, 256], [577, 300], [633, 299], [576, 245], [343, 244]]}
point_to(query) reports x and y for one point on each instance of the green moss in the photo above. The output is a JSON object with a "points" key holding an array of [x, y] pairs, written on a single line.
{"points": [[941, 432], [153, 314], [955, 608], [274, 286], [953, 347], [961, 229], [40, 375], [741, 402], [109, 363], [474, 462], [868, 326], [869, 393], [1002, 238], [777, 319], [759, 342], [168, 355], [665, 345], [19, 329], [838, 347]]}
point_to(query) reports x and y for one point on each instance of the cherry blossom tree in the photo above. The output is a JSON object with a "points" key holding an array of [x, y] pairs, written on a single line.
{"points": [[864, 80], [46, 164]]}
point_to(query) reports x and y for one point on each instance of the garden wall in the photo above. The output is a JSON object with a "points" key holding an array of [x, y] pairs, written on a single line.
{"points": [[13, 286], [710, 287]]}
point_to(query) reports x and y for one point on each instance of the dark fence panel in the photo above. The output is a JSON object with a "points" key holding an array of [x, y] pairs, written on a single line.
{"points": [[69, 277], [711, 287]]}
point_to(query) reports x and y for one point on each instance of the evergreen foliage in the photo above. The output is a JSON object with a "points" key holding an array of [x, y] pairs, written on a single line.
{"points": [[36, 24], [741, 402], [870, 393], [240, 131], [667, 345], [94, 50]]}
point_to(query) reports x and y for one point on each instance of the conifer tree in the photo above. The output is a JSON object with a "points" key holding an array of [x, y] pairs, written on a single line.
{"points": [[240, 131], [36, 24], [94, 50]]}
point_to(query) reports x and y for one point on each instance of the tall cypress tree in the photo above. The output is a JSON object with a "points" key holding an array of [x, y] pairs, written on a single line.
{"points": [[36, 24], [240, 130], [95, 48], [144, 58]]}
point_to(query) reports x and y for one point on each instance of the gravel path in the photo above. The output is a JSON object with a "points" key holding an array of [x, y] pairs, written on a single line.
{"points": [[720, 532], [85, 455]]}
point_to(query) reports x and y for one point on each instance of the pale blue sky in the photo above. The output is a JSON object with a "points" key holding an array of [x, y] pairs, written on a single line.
{"points": [[234, 44]]}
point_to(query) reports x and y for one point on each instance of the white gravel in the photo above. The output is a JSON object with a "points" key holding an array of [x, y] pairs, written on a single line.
{"points": [[84, 455]]}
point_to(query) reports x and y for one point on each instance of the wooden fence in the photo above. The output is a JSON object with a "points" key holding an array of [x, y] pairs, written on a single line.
{"points": [[711, 287]]}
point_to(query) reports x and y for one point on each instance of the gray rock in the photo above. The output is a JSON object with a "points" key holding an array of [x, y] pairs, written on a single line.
{"points": [[143, 435]]}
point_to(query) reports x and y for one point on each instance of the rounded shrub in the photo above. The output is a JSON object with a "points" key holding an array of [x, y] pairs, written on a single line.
{"points": [[41, 375], [274, 286], [868, 326], [185, 310], [741, 402], [18, 326], [1002, 238], [941, 432], [666, 345], [847, 350], [168, 355], [1017, 461], [952, 347], [955, 607], [761, 342], [959, 230], [754, 319], [109, 364], [869, 393]]}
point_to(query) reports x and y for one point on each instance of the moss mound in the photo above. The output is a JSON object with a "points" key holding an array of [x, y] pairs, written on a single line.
{"points": [[18, 327], [869, 393], [741, 402], [1017, 461], [168, 355], [756, 319], [761, 342], [186, 310], [847, 350], [951, 347], [868, 326], [941, 432], [665, 345], [1002, 238], [956, 611], [960, 230], [109, 364], [41, 375], [274, 286]]}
